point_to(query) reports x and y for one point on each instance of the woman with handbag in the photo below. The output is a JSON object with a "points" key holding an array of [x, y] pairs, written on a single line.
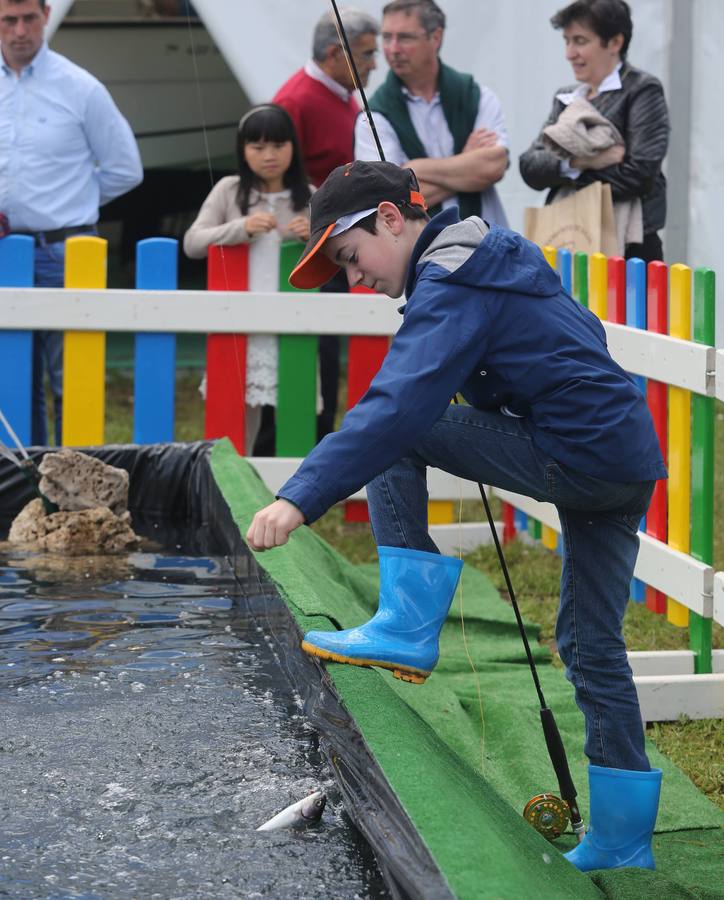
{"points": [[628, 109]]}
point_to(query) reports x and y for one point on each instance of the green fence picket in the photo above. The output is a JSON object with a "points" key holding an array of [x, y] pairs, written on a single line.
{"points": [[535, 529], [702, 466], [296, 416], [580, 278]]}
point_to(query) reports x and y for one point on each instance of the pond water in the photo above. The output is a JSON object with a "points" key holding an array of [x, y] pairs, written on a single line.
{"points": [[147, 729]]}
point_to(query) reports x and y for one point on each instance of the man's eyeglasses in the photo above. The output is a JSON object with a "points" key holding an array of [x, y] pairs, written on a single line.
{"points": [[403, 38], [366, 55]]}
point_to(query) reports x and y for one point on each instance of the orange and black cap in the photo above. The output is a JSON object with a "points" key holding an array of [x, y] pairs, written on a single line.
{"points": [[352, 188]]}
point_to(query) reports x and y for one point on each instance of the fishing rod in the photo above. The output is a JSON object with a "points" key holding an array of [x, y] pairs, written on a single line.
{"points": [[15, 438], [547, 813], [26, 465], [356, 79], [544, 811]]}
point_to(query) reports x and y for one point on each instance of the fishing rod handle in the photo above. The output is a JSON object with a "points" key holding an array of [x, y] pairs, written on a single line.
{"points": [[557, 753]]}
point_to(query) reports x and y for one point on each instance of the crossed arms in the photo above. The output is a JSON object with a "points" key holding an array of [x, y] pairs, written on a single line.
{"points": [[481, 163]]}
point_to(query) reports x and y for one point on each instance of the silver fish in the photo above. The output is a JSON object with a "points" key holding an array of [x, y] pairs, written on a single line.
{"points": [[301, 813]]}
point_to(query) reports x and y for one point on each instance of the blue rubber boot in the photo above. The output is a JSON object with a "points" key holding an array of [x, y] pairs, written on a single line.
{"points": [[416, 590], [624, 805]]}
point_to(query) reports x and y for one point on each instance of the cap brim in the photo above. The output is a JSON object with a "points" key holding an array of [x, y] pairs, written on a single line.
{"points": [[314, 268]]}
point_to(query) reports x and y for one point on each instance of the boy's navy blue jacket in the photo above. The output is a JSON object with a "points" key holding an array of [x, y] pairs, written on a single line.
{"points": [[486, 316]]}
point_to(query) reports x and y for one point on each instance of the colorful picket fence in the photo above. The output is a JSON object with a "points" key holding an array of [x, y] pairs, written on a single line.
{"points": [[659, 299], [654, 299], [155, 353]]}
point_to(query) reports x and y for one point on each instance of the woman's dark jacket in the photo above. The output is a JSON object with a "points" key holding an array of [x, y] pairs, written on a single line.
{"points": [[639, 112]]}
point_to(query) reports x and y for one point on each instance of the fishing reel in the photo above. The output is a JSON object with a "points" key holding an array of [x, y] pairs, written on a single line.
{"points": [[548, 814]]}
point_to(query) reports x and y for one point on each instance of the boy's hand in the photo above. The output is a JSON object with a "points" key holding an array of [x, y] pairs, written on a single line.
{"points": [[298, 227], [259, 223], [272, 525]]}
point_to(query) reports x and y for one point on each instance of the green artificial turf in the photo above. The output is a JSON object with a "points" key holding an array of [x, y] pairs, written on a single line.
{"points": [[463, 784]]}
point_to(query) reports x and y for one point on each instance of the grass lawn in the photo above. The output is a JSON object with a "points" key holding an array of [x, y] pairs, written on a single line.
{"points": [[696, 746]]}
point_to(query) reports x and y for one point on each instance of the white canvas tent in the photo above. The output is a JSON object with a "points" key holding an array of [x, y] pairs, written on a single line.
{"points": [[511, 47]]}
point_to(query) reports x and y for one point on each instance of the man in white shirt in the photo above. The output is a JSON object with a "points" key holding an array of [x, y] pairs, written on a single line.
{"points": [[433, 119], [65, 150]]}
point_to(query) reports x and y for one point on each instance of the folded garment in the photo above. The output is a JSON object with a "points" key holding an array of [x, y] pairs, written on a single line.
{"points": [[581, 130]]}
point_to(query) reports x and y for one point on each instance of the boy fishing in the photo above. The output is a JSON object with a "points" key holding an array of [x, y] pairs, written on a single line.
{"points": [[548, 414]]}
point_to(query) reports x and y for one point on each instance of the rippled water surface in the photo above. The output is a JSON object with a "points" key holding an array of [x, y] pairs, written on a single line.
{"points": [[147, 730]]}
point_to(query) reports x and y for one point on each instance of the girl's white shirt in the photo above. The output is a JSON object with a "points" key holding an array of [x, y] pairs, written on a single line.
{"points": [[220, 222]]}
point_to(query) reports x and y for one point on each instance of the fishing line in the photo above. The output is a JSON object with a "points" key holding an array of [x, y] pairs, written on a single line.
{"points": [[371, 124], [554, 743], [465, 641], [239, 374], [553, 740], [199, 95], [225, 275]]}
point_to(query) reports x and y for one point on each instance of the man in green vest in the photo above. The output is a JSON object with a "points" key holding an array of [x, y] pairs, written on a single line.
{"points": [[435, 120]]}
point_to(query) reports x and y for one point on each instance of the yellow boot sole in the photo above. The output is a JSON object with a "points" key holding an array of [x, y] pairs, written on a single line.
{"points": [[404, 673]]}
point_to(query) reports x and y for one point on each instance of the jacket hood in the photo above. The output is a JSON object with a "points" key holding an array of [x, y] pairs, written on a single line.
{"points": [[469, 253]]}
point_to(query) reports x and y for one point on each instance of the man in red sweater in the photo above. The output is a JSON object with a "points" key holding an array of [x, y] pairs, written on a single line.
{"points": [[319, 98]]}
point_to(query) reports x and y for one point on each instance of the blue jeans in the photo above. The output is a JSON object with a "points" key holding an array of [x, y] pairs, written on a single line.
{"points": [[599, 521], [48, 348]]}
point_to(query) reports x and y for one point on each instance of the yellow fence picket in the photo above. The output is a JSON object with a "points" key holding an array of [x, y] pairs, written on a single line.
{"points": [[679, 434], [84, 352]]}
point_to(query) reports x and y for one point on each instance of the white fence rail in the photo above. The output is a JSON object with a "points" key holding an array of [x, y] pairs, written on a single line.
{"points": [[665, 682], [718, 611], [676, 574], [719, 375], [198, 311], [684, 364]]}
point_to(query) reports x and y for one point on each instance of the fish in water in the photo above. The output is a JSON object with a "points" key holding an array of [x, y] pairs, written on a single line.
{"points": [[301, 813]]}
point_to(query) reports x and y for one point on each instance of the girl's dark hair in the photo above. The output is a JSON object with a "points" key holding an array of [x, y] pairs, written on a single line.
{"points": [[410, 212], [270, 122], [606, 18]]}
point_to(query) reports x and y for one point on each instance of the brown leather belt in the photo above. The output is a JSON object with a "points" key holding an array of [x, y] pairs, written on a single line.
{"points": [[58, 234]]}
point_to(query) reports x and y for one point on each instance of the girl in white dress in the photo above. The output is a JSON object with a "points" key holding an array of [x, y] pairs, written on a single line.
{"points": [[265, 204]]}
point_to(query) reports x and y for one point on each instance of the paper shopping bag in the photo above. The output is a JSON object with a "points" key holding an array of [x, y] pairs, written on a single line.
{"points": [[582, 221]]}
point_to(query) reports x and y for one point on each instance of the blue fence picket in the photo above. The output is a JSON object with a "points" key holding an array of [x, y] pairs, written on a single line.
{"points": [[155, 366], [565, 269], [521, 521], [636, 303], [16, 347], [636, 318]]}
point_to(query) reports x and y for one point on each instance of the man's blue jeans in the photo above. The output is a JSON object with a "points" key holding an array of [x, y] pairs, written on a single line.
{"points": [[48, 348], [599, 521]]}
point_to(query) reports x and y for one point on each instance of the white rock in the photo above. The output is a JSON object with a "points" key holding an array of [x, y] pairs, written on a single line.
{"points": [[86, 531], [75, 481]]}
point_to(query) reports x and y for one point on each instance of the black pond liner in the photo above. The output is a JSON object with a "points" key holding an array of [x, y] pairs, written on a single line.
{"points": [[173, 494]]}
